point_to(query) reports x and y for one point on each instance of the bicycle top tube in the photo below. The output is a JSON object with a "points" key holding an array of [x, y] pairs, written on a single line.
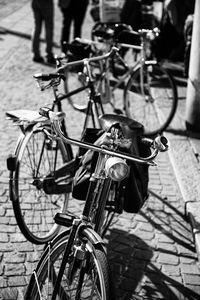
{"points": [[125, 45]]}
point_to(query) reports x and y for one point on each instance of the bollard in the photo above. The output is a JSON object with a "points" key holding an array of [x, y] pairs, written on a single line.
{"points": [[193, 84]]}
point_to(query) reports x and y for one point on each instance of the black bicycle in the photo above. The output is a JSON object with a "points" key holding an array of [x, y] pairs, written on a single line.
{"points": [[136, 85], [42, 169], [74, 265]]}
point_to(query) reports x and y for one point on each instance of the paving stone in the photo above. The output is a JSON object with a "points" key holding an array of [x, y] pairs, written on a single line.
{"points": [[152, 253]]}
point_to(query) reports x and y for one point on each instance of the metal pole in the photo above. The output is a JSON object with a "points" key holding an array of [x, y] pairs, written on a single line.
{"points": [[193, 85]]}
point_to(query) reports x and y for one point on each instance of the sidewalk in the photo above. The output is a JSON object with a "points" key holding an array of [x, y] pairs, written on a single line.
{"points": [[184, 157], [152, 254]]}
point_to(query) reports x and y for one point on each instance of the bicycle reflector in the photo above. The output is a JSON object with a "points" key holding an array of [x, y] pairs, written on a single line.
{"points": [[116, 168]]}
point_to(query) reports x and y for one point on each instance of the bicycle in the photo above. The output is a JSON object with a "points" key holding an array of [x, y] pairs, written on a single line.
{"points": [[74, 265], [145, 86], [41, 170]]}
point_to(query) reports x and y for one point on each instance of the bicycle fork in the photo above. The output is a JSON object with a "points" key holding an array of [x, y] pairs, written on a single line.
{"points": [[72, 237]]}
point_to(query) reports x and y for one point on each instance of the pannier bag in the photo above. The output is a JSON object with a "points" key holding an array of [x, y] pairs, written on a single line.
{"points": [[132, 191], [87, 164]]}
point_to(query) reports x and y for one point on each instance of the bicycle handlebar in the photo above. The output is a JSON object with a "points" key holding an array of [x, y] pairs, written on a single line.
{"points": [[125, 45], [91, 59], [159, 144]]}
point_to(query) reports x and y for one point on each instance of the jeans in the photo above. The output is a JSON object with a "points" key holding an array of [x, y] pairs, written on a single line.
{"points": [[74, 12], [43, 12]]}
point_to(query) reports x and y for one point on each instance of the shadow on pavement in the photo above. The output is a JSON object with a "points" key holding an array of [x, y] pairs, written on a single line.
{"points": [[135, 276], [22, 35], [177, 131], [186, 133]]}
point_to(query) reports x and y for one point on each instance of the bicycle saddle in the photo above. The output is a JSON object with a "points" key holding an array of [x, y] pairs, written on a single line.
{"points": [[130, 127], [78, 48]]}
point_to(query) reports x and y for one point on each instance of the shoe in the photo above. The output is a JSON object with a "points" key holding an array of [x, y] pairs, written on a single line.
{"points": [[38, 59], [51, 60]]}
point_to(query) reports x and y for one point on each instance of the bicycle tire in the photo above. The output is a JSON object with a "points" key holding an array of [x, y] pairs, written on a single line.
{"points": [[34, 207], [153, 103], [106, 208], [76, 81], [96, 284]]}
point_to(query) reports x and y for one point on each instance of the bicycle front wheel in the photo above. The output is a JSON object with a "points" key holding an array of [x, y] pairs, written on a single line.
{"points": [[150, 97], [82, 279], [34, 199]]}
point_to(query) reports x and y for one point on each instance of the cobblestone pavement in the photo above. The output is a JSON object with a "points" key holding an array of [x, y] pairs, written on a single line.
{"points": [[152, 254]]}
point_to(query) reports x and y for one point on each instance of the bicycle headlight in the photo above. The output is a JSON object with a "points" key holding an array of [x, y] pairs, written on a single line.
{"points": [[116, 168]]}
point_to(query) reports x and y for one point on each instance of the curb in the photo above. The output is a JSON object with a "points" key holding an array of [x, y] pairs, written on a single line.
{"points": [[187, 173]]}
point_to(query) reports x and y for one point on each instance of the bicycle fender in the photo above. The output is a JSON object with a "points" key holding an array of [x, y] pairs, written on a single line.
{"points": [[15, 157], [95, 238]]}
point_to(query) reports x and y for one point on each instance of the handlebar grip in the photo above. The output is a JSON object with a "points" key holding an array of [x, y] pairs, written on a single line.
{"points": [[161, 143], [44, 111], [47, 77]]}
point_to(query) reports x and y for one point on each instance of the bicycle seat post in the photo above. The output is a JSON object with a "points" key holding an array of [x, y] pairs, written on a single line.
{"points": [[88, 72]]}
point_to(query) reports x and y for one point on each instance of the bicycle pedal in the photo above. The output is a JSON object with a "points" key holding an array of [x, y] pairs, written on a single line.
{"points": [[11, 162]]}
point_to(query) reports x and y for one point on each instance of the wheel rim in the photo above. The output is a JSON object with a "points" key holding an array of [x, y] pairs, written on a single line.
{"points": [[35, 209], [93, 287], [154, 103]]}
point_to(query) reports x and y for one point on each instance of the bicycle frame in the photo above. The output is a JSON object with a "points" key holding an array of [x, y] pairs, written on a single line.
{"points": [[90, 221], [80, 224], [93, 100], [97, 196], [130, 69]]}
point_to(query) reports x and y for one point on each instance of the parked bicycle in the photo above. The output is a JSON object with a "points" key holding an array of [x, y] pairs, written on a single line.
{"points": [[41, 170], [75, 265], [140, 89]]}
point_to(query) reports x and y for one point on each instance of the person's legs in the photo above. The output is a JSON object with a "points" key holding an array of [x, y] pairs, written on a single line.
{"points": [[67, 20], [79, 15], [36, 32], [47, 12], [49, 27]]}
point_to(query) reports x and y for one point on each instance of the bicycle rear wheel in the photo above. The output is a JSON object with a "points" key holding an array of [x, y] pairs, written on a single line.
{"points": [[76, 83], [150, 97], [31, 190], [93, 269], [76, 86]]}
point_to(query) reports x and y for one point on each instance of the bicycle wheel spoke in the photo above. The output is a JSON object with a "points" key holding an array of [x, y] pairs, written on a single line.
{"points": [[150, 97], [35, 186], [81, 280]]}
